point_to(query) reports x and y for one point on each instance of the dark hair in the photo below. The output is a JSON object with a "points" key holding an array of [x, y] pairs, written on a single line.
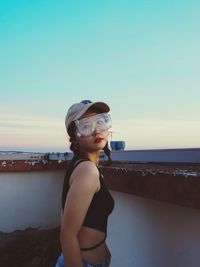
{"points": [[71, 130], [108, 154]]}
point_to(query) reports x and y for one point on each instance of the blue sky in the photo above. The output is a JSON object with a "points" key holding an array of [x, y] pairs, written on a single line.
{"points": [[141, 57]]}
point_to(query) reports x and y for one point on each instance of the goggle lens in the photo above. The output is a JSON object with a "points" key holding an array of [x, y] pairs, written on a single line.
{"points": [[86, 126]]}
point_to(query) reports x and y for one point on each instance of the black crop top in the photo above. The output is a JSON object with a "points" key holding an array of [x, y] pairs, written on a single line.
{"points": [[101, 205]]}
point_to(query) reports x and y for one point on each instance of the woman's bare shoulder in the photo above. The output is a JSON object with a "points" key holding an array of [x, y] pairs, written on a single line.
{"points": [[86, 171]]}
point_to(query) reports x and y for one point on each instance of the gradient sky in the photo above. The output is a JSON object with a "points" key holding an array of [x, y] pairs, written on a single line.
{"points": [[141, 57]]}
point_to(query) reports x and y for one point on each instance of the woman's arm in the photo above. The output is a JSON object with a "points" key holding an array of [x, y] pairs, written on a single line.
{"points": [[84, 183]]}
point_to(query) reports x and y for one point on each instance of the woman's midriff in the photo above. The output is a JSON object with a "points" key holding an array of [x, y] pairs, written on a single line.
{"points": [[89, 237]]}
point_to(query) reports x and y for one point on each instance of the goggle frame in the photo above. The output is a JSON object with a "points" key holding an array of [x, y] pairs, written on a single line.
{"points": [[91, 122]]}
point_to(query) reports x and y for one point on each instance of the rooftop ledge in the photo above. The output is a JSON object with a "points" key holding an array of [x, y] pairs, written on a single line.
{"points": [[175, 183]]}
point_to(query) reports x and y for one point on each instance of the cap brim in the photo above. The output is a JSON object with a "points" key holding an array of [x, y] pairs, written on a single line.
{"points": [[99, 105]]}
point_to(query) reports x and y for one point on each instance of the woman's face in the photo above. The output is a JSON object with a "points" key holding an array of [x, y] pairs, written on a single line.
{"points": [[94, 142]]}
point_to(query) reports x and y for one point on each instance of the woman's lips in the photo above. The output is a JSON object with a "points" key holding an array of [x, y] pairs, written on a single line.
{"points": [[98, 140]]}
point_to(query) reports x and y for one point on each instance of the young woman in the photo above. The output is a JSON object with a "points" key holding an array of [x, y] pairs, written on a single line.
{"points": [[86, 201]]}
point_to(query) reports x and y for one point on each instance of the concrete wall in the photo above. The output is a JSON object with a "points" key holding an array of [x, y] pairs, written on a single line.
{"points": [[142, 232], [148, 233], [30, 199]]}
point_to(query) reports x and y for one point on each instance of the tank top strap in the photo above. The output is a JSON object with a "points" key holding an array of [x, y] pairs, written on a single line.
{"points": [[95, 246], [78, 162]]}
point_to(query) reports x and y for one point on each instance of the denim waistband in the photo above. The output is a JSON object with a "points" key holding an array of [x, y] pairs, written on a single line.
{"points": [[103, 263], [96, 264]]}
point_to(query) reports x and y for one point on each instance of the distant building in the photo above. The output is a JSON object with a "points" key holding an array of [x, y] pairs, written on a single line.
{"points": [[117, 145]]}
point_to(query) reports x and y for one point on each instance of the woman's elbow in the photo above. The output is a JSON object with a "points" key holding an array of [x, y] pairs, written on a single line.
{"points": [[64, 236]]}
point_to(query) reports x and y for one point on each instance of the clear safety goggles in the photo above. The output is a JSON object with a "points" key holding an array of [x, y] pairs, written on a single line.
{"points": [[86, 126]]}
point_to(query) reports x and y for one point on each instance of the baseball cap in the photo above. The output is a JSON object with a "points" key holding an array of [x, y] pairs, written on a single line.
{"points": [[77, 110]]}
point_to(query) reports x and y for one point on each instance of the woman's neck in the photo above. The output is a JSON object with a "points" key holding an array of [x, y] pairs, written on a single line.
{"points": [[94, 157]]}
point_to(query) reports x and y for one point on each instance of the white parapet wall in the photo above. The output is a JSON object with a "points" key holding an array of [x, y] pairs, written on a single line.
{"points": [[141, 232], [30, 199], [148, 233]]}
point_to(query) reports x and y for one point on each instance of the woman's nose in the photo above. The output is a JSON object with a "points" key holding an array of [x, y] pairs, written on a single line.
{"points": [[95, 130]]}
